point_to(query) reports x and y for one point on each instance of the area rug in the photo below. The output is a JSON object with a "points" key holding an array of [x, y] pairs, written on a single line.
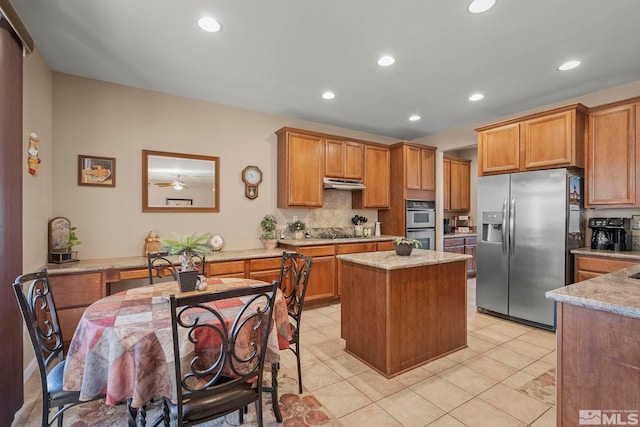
{"points": [[543, 387], [298, 410]]}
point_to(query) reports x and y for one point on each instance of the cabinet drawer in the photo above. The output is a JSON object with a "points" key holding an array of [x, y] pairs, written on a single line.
{"points": [[134, 274], [470, 240], [602, 265], [317, 250], [266, 264], [352, 248], [458, 241], [218, 268], [385, 246], [77, 290]]}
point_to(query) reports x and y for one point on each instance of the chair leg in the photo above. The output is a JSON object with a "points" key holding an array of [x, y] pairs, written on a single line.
{"points": [[241, 415], [259, 412], [299, 368], [274, 392]]}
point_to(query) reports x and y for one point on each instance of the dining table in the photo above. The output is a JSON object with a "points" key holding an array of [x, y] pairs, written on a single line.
{"points": [[123, 348]]}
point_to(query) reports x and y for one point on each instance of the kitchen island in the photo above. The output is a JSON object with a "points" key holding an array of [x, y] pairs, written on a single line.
{"points": [[399, 312], [598, 348]]}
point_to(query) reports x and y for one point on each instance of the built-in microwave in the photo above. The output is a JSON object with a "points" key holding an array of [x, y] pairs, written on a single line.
{"points": [[420, 214]]}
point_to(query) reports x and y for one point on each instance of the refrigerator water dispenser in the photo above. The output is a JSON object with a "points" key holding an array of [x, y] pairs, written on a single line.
{"points": [[492, 227]]}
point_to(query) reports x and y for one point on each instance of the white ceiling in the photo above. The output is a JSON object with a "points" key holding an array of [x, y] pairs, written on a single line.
{"points": [[278, 56]]}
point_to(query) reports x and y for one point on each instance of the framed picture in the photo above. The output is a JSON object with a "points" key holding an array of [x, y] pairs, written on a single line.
{"points": [[96, 171], [635, 222], [179, 202]]}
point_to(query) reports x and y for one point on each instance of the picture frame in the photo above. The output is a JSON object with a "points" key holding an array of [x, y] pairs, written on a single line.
{"points": [[96, 171], [179, 202], [635, 222]]}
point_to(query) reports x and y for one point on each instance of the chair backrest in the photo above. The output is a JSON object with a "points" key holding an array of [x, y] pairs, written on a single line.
{"points": [[216, 353], [198, 263], [39, 313], [160, 267], [294, 278]]}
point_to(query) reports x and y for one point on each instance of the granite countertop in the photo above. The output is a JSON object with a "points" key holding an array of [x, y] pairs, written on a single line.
{"points": [[614, 292], [630, 255], [125, 263], [312, 241], [453, 235], [389, 260]]}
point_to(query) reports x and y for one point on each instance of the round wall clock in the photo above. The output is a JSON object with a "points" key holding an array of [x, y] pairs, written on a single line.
{"points": [[252, 177]]}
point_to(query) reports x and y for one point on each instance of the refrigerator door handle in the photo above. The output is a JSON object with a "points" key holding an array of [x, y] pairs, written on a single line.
{"points": [[512, 227], [504, 227]]}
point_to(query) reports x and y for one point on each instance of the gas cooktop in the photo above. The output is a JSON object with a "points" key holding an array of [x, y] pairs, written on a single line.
{"points": [[336, 236]]}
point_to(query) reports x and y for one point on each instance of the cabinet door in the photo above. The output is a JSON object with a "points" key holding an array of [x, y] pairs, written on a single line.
{"points": [[446, 185], [470, 249], [334, 158], [499, 149], [376, 195], [353, 160], [428, 169], [303, 157], [548, 141], [611, 157], [455, 182], [465, 186], [412, 168], [322, 283]]}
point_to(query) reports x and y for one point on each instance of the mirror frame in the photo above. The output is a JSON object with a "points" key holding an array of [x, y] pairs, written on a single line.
{"points": [[145, 183]]}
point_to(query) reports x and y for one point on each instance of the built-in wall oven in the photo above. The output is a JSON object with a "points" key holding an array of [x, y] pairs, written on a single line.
{"points": [[421, 222]]}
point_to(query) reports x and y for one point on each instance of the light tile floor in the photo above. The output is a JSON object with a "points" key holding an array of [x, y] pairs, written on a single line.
{"points": [[477, 386]]}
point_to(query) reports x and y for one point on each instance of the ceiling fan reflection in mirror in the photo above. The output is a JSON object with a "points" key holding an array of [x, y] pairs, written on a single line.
{"points": [[177, 184]]}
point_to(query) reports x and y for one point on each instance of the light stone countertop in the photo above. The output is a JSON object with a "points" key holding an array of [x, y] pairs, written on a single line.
{"points": [[389, 260], [126, 263], [313, 241], [629, 255], [454, 235], [614, 293]]}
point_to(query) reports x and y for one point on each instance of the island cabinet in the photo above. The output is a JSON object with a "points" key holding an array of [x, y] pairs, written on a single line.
{"points": [[544, 140], [613, 166], [300, 168], [457, 184], [377, 177], [351, 248], [589, 266], [343, 159], [73, 294]]}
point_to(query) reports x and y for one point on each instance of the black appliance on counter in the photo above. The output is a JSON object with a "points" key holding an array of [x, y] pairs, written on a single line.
{"points": [[610, 233]]}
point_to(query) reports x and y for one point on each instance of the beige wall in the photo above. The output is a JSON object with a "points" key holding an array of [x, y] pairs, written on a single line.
{"points": [[103, 119]]}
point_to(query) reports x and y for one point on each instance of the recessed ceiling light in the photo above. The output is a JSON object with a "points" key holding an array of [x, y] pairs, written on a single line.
{"points": [[328, 95], [414, 118], [479, 6], [386, 60], [209, 24], [476, 97], [569, 65]]}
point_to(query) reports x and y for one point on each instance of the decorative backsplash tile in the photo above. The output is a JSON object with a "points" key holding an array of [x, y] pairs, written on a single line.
{"points": [[336, 212]]}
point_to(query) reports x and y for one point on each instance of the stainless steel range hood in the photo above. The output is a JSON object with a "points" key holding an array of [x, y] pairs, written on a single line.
{"points": [[343, 184]]}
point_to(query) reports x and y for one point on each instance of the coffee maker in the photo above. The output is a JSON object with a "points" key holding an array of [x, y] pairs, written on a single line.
{"points": [[610, 233]]}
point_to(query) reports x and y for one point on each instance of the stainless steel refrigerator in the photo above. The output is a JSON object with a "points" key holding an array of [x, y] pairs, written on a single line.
{"points": [[529, 221]]}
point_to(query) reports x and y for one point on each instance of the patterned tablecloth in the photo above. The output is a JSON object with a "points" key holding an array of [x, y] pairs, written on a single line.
{"points": [[123, 344]]}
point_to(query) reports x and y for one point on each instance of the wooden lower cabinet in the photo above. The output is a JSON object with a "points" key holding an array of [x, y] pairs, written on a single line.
{"points": [[226, 269], [322, 284], [385, 246], [73, 293], [266, 269], [598, 365], [463, 245], [587, 267]]}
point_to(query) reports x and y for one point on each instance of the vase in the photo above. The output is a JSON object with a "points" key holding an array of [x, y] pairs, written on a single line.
{"points": [[403, 249], [358, 230], [270, 243], [188, 280], [298, 235]]}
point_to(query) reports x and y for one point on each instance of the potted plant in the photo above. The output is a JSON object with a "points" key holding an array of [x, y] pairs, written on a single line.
{"points": [[187, 247], [268, 237], [69, 243], [297, 227], [404, 246]]}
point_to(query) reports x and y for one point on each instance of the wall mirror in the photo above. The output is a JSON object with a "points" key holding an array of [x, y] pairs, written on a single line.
{"points": [[177, 182]]}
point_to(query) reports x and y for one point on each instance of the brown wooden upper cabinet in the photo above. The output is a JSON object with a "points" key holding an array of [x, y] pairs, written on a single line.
{"points": [[540, 141], [420, 167], [612, 168], [300, 168], [343, 159], [457, 184], [377, 178]]}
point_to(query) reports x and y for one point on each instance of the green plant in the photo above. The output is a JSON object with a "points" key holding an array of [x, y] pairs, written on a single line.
{"points": [[404, 241], [296, 225], [187, 247], [72, 239], [268, 224]]}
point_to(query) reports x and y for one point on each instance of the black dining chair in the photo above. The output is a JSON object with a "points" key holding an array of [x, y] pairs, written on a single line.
{"points": [[223, 372], [39, 312], [199, 263], [159, 266], [294, 278]]}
